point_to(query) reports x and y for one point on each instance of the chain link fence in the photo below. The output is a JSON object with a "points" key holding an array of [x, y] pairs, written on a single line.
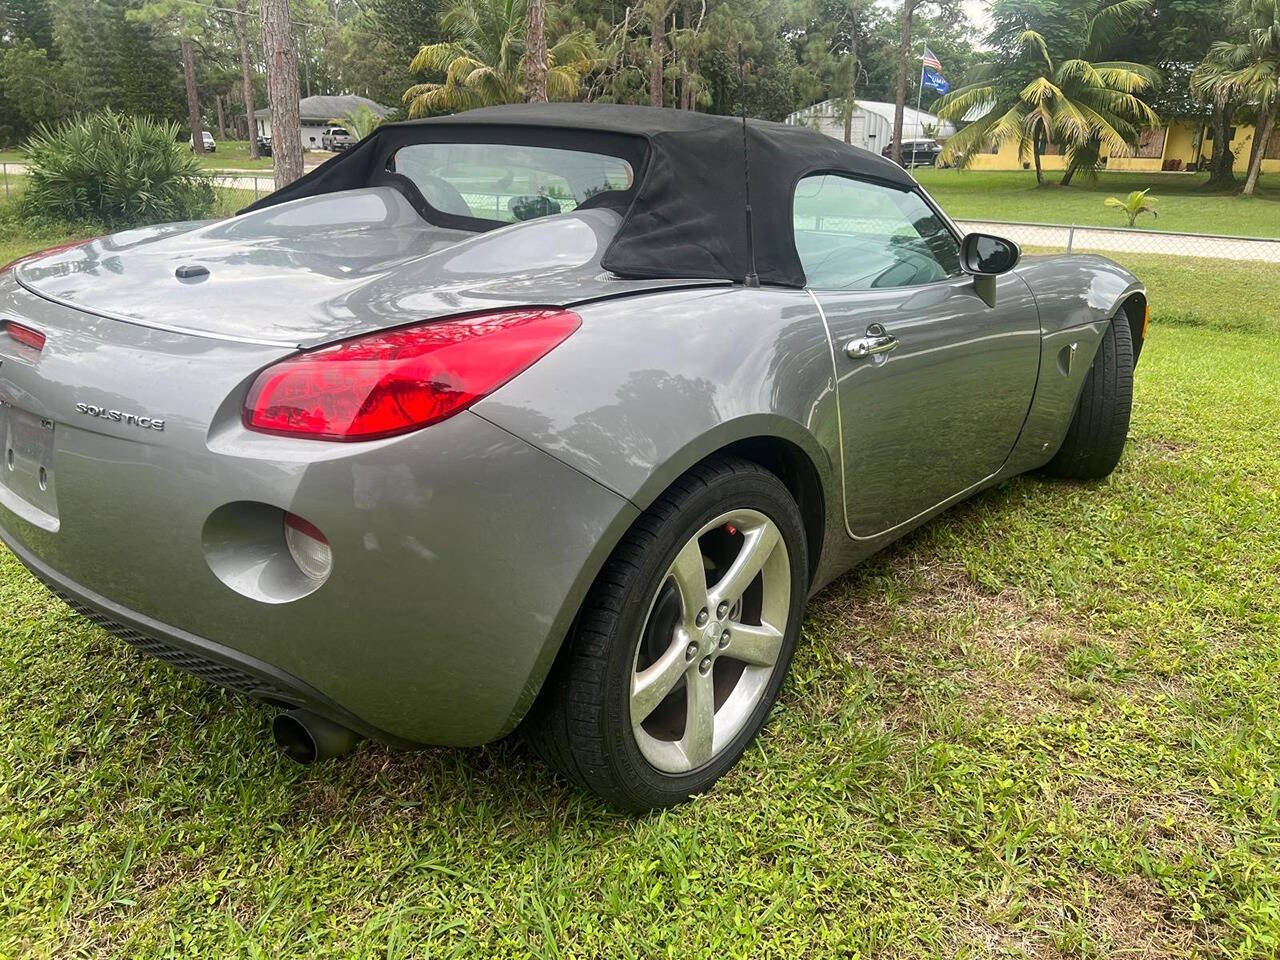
{"points": [[235, 191], [1062, 238], [13, 180]]}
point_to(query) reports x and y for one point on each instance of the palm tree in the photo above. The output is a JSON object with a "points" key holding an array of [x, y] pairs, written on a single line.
{"points": [[359, 122], [1036, 95], [1248, 70], [483, 62]]}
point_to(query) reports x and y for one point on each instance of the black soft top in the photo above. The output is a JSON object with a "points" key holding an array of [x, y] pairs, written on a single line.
{"points": [[684, 217]]}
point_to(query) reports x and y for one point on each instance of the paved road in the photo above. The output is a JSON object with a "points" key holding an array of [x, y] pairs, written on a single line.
{"points": [[1102, 240]]}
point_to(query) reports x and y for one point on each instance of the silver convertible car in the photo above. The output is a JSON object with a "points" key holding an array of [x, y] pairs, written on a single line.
{"points": [[546, 418]]}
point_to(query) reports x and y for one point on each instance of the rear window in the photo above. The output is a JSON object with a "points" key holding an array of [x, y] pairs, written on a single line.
{"points": [[508, 182], [338, 132]]}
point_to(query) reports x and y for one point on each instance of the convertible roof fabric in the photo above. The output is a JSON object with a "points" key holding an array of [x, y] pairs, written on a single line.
{"points": [[687, 213]]}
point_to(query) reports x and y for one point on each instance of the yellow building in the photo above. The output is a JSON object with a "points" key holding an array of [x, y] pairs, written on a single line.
{"points": [[1173, 147]]}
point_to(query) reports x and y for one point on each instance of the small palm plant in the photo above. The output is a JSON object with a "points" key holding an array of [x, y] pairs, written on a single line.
{"points": [[1134, 205], [359, 122]]}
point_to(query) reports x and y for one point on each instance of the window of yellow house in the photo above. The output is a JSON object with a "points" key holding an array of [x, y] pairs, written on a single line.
{"points": [[1151, 143], [1273, 147]]}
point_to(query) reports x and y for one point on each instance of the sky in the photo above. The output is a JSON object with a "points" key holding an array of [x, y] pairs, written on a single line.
{"points": [[979, 12]]}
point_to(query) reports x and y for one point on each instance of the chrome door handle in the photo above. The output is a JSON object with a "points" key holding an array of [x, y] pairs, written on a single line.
{"points": [[870, 346]]}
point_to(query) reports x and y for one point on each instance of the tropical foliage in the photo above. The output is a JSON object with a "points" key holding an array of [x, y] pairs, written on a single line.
{"points": [[1248, 69], [1045, 86], [483, 60], [1134, 205], [1077, 76], [114, 170], [359, 122]]}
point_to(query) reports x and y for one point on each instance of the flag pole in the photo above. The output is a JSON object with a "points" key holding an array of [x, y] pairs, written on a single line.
{"points": [[919, 98]]}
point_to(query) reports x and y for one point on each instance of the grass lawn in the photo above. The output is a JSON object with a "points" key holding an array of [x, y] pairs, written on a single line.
{"points": [[1183, 204], [233, 155], [1044, 725]]}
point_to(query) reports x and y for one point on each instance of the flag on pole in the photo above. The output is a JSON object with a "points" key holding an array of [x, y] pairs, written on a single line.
{"points": [[931, 73], [934, 81]]}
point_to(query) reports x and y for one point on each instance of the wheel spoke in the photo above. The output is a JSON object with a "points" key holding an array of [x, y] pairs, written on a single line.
{"points": [[757, 645], [651, 685], [757, 547], [690, 575], [698, 742]]}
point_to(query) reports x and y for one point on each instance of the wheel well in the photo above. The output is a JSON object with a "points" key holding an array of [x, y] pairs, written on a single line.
{"points": [[792, 466], [1135, 309]]}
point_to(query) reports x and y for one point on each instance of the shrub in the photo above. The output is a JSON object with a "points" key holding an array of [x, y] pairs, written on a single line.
{"points": [[115, 170]]}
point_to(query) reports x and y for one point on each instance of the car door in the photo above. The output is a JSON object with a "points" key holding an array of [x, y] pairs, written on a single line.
{"points": [[933, 384]]}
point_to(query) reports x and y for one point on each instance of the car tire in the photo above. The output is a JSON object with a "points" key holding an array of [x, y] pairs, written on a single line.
{"points": [[582, 723], [1096, 437]]}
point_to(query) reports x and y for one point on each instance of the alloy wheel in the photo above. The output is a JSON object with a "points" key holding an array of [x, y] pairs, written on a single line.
{"points": [[711, 641]]}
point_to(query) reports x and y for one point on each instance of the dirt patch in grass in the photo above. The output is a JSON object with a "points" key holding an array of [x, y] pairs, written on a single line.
{"points": [[997, 651]]}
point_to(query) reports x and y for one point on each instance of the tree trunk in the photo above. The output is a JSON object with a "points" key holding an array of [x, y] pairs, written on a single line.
{"points": [[1086, 155], [686, 61], [222, 121], [1221, 176], [1261, 134], [1035, 152], [535, 51], [853, 80], [241, 21], [904, 64], [193, 97], [656, 52], [282, 92]]}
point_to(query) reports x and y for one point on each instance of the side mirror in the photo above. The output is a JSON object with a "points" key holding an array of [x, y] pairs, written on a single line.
{"points": [[985, 257], [981, 254]]}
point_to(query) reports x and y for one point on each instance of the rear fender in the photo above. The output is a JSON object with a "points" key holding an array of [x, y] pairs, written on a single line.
{"points": [[651, 385]]}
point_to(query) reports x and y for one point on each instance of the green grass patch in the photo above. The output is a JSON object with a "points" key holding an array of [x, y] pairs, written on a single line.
{"points": [[1221, 294], [19, 237], [1184, 205], [1043, 725], [233, 155]]}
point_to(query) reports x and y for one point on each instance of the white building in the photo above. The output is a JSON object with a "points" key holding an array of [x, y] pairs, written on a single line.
{"points": [[872, 123], [318, 113]]}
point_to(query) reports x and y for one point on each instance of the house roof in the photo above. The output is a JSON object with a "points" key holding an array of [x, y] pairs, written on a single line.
{"points": [[326, 109]]}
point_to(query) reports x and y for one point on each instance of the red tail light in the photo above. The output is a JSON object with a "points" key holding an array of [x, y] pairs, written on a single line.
{"points": [[400, 380], [24, 335], [44, 253]]}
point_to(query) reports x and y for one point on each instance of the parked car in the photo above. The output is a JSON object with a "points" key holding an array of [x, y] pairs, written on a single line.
{"points": [[336, 139], [264, 146], [575, 474], [210, 146], [920, 152]]}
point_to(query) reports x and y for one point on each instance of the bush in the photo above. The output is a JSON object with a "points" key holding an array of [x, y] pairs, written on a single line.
{"points": [[114, 170]]}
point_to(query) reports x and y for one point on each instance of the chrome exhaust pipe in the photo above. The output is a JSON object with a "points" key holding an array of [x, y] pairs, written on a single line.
{"points": [[307, 738]]}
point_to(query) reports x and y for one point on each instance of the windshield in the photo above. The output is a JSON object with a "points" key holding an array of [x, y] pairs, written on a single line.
{"points": [[508, 182]]}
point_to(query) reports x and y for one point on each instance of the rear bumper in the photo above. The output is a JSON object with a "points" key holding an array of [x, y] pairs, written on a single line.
{"points": [[461, 555], [213, 662]]}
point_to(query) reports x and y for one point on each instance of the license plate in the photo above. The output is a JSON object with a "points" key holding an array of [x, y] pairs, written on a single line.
{"points": [[26, 471]]}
